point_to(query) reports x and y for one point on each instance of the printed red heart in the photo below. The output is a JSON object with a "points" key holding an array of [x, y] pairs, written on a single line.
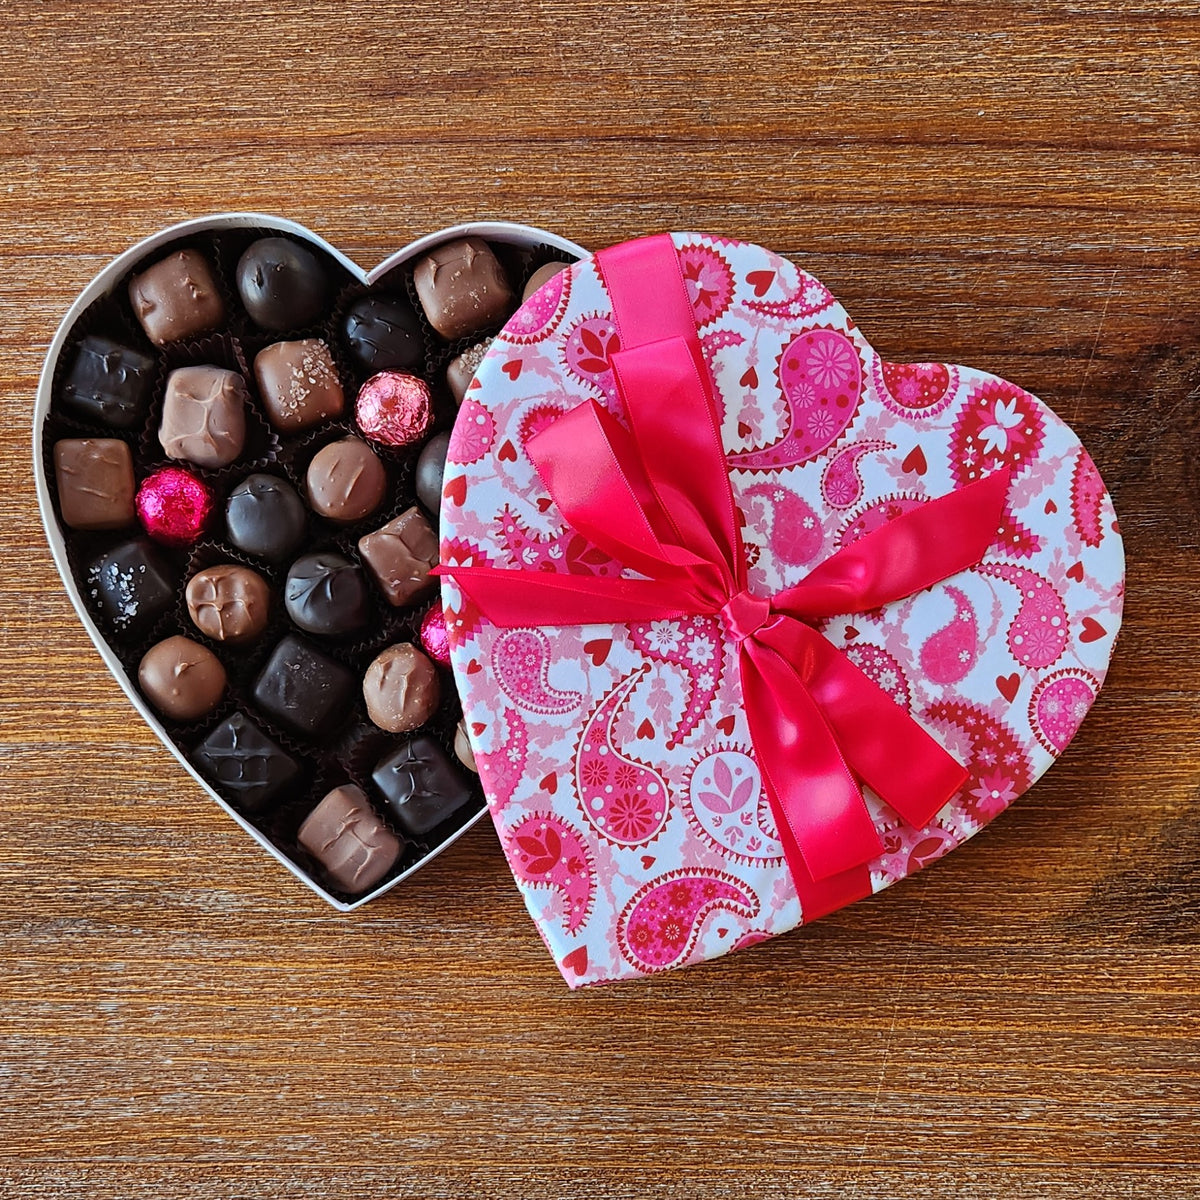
{"points": [[550, 783], [647, 861], [726, 724], [915, 461], [760, 281], [474, 667], [456, 490], [1075, 572], [544, 503], [598, 650], [1051, 507], [722, 931], [749, 378], [576, 961], [645, 729], [851, 633], [512, 368], [744, 430], [1009, 686], [508, 452], [477, 728], [1093, 631]]}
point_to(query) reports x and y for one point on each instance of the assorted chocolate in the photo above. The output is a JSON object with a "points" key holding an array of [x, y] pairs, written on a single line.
{"points": [[248, 449]]}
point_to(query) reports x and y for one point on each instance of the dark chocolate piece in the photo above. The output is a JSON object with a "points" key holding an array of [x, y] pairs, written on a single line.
{"points": [[545, 272], [132, 585], [461, 370], [182, 679], [95, 482], [282, 284], [326, 594], [109, 383], [401, 688], [265, 517], [431, 467], [345, 835], [177, 298], [299, 383], [229, 603], [462, 288], [245, 765], [420, 785], [383, 333], [302, 689], [401, 555], [204, 416], [346, 481]]}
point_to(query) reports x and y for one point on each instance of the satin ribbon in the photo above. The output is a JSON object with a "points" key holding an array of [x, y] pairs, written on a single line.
{"points": [[656, 497]]}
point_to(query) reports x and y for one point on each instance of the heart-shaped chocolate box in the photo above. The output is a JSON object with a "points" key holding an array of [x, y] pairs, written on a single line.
{"points": [[346, 753]]}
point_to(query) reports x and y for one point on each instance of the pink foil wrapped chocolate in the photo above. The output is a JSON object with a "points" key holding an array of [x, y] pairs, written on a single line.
{"points": [[656, 805]]}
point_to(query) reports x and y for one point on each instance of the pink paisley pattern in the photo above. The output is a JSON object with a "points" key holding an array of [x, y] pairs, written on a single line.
{"points": [[949, 654], [727, 804], [805, 299], [541, 314], [915, 390], [883, 669], [697, 646], [502, 768], [709, 281], [1038, 634], [473, 433], [562, 551], [547, 852], [821, 378], [876, 515], [796, 534], [841, 481], [521, 661], [623, 799], [585, 353], [999, 426], [663, 922], [536, 418], [1087, 499], [1058, 705]]}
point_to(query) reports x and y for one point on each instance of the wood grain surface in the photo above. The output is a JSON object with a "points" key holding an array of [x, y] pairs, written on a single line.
{"points": [[1012, 184]]}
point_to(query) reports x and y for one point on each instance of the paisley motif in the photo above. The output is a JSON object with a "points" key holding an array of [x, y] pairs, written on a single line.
{"points": [[462, 616], [540, 315], [501, 769], [709, 281], [1038, 634], [521, 661], [796, 534], [916, 391], [841, 481], [586, 351], [473, 433], [883, 669], [727, 805], [1087, 499], [949, 654], [998, 426], [1058, 705], [877, 514], [662, 923], [697, 646], [806, 299], [545, 851]]}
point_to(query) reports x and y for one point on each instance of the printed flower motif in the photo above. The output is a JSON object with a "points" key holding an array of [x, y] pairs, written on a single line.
{"points": [[699, 650], [663, 636], [595, 772], [831, 363], [822, 424], [803, 395], [993, 792], [995, 436], [626, 775]]}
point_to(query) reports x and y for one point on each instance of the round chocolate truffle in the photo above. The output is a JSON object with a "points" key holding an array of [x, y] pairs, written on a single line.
{"points": [[435, 638], [327, 594], [431, 466], [174, 506], [181, 678], [394, 409], [383, 334], [265, 517], [228, 603], [401, 689], [282, 284], [346, 481]]}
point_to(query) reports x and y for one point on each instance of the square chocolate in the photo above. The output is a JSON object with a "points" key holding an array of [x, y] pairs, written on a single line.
{"points": [[132, 585], [95, 482], [108, 383], [463, 288], [204, 416], [345, 835], [245, 765], [421, 787], [401, 555], [177, 298], [302, 689], [299, 383]]}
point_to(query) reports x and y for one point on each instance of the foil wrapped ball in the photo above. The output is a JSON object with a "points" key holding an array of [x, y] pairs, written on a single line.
{"points": [[174, 506], [394, 409], [434, 636]]}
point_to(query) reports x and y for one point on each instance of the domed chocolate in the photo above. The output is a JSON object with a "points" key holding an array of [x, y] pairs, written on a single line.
{"points": [[326, 594], [431, 466], [383, 334], [283, 285], [228, 603], [181, 678], [401, 688], [346, 481], [265, 517]]}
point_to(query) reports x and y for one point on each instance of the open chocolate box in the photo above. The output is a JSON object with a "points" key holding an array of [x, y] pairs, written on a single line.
{"points": [[295, 617]]}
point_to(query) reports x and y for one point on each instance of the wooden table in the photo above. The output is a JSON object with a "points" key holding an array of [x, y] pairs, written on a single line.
{"points": [[1013, 185]]}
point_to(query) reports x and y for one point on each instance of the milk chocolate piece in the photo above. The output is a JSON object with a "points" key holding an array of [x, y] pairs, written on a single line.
{"points": [[176, 298], [204, 416], [345, 835], [421, 787], [431, 467], [346, 481], [265, 517], [461, 370], [302, 689], [326, 594], [182, 679], [132, 585], [228, 603], [283, 285], [299, 384], [108, 383], [400, 557], [95, 482], [383, 334], [544, 273], [462, 747], [246, 766], [401, 688], [462, 288]]}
